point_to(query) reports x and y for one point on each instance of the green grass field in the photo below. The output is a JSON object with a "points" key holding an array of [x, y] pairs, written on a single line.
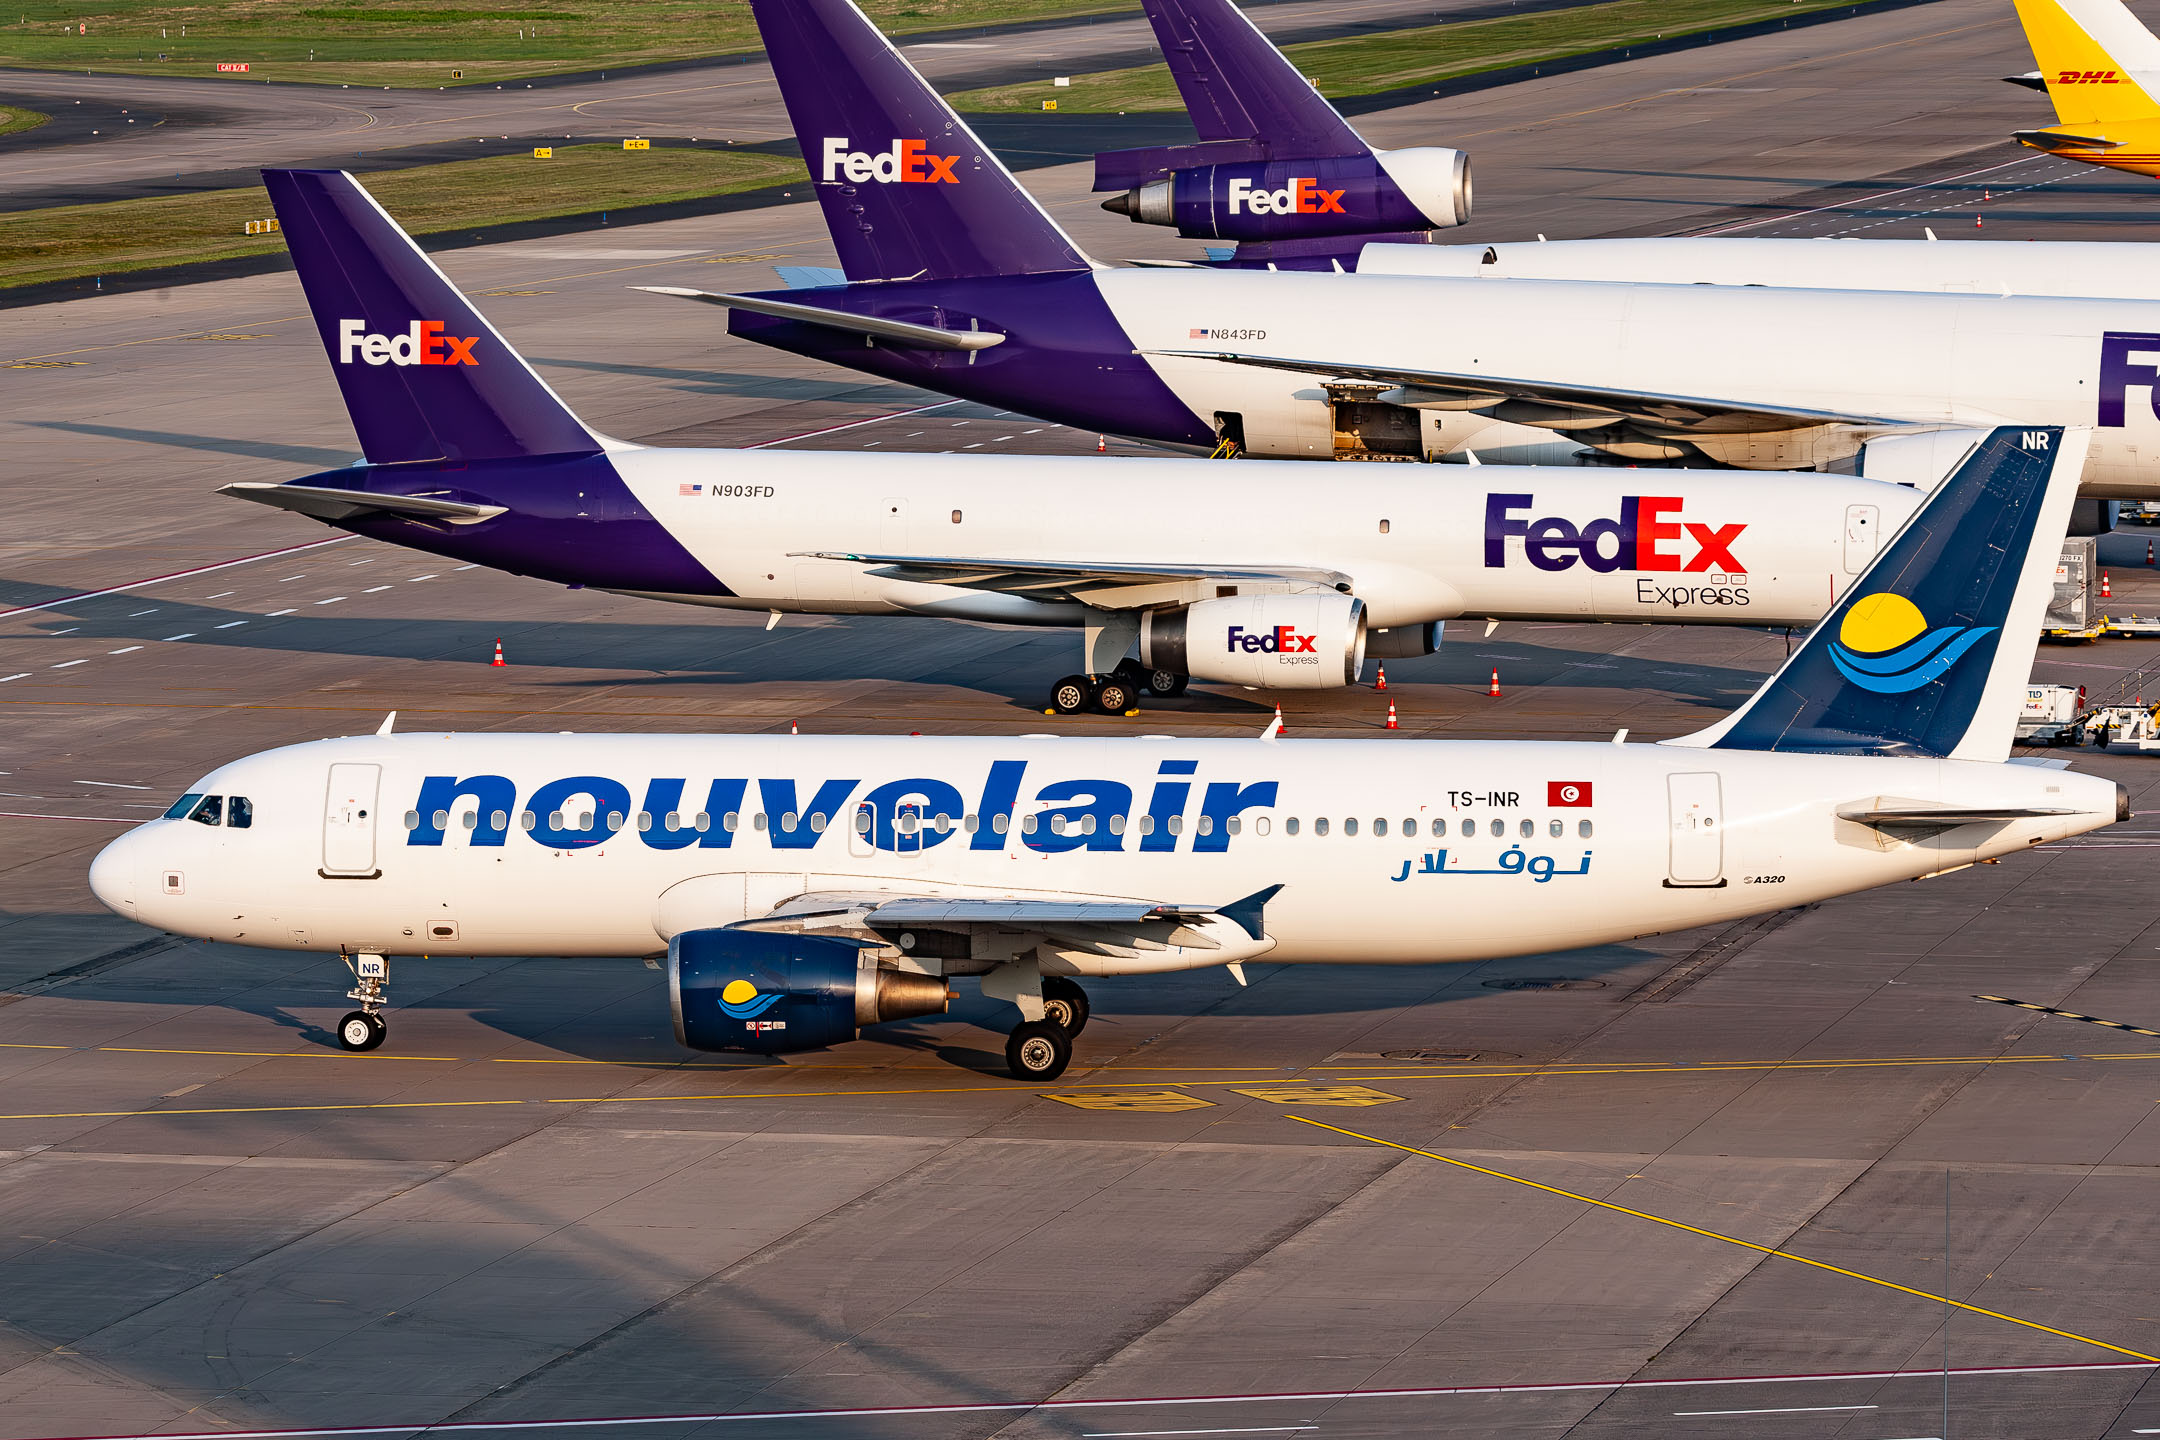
{"points": [[1368, 63], [14, 120], [77, 240], [422, 42]]}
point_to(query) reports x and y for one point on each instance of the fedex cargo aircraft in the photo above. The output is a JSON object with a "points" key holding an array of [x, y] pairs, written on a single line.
{"points": [[958, 282], [802, 887], [1170, 569], [1277, 168]]}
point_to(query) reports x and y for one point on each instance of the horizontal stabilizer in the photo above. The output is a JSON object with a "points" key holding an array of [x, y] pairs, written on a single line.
{"points": [[810, 277], [1888, 814], [927, 337], [2057, 140], [2031, 80], [324, 502]]}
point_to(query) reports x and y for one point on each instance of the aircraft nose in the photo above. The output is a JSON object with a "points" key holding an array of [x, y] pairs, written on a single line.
{"points": [[113, 875]]}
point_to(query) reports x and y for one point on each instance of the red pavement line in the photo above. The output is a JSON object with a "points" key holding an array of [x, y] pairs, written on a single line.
{"points": [[1130, 1402], [176, 575], [852, 424]]}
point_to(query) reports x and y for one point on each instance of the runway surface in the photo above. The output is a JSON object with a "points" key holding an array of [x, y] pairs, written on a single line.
{"points": [[1694, 1186]]}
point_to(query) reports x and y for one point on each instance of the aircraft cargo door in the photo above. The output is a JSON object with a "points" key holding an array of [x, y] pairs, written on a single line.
{"points": [[348, 840], [1698, 844]]}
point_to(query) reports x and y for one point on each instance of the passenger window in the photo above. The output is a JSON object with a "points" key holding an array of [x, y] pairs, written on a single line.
{"points": [[526, 820], [1087, 824], [1177, 824], [1583, 829], [1557, 829], [1290, 826], [614, 821], [1057, 824], [1409, 827], [1349, 827], [1233, 824], [944, 823], [182, 806], [999, 824], [1027, 824], [1379, 829], [644, 820], [1527, 829], [732, 821], [817, 822], [210, 812], [1117, 824], [757, 821], [1147, 824], [787, 822], [968, 823], [1469, 828], [862, 821], [239, 813], [1319, 826], [412, 819], [1207, 825], [703, 822], [1499, 827], [470, 819]]}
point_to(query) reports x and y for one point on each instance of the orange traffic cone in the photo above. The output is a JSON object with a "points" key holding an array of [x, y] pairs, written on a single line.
{"points": [[2148, 552], [792, 728], [2105, 592], [1494, 689], [498, 660], [1391, 716], [1987, 194], [1978, 222], [1102, 443], [1381, 683]]}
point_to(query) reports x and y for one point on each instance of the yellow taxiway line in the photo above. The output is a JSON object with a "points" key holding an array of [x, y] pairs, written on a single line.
{"points": [[1769, 1250]]}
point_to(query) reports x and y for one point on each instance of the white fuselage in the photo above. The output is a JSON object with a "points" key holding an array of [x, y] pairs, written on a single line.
{"points": [[2104, 269], [1416, 545], [1395, 851], [1899, 358]]}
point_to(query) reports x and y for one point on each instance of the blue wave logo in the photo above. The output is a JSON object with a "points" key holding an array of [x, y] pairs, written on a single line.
{"points": [[741, 1000], [1885, 645]]}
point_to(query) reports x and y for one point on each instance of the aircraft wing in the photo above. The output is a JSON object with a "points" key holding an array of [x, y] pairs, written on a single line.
{"points": [[1563, 406], [1108, 586], [1103, 927], [904, 332], [326, 502]]}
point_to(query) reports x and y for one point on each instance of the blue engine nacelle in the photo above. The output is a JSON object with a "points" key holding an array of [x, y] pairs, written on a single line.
{"points": [[769, 992], [1425, 188]]}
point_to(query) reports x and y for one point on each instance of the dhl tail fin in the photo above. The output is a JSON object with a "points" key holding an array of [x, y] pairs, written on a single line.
{"points": [[2098, 61]]}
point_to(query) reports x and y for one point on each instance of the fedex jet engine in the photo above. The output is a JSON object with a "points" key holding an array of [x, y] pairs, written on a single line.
{"points": [[1422, 188], [1270, 642], [769, 991]]}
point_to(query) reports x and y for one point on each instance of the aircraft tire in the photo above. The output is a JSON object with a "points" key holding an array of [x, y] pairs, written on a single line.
{"points": [[1166, 684], [361, 1031], [1065, 1004], [1038, 1050], [1115, 696], [1071, 695]]}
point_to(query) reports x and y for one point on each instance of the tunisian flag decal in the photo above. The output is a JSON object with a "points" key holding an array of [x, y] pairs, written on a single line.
{"points": [[1567, 792]]}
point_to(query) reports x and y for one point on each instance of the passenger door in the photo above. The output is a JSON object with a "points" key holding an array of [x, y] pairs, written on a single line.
{"points": [[1697, 857], [349, 822]]}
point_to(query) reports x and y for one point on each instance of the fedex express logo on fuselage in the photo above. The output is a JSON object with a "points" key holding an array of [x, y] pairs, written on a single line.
{"points": [[1639, 538], [423, 344], [909, 162], [1302, 196]]}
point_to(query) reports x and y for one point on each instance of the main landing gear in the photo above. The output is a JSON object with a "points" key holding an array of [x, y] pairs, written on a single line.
{"points": [[1117, 693], [364, 1029], [1041, 1049]]}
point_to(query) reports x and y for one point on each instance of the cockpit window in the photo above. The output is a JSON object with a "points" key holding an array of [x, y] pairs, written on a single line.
{"points": [[182, 806], [210, 812], [239, 813]]}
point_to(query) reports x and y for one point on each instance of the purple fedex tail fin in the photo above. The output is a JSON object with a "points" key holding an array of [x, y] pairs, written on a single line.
{"points": [[423, 375], [908, 190]]}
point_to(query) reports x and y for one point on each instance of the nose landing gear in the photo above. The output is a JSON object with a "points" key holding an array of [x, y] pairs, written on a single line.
{"points": [[364, 1029]]}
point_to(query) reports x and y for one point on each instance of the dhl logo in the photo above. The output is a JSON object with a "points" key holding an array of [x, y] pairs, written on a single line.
{"points": [[2087, 77], [909, 162]]}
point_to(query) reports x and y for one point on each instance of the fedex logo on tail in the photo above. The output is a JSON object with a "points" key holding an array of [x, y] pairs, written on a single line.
{"points": [[909, 162], [1282, 640], [423, 344], [1302, 196], [1641, 537]]}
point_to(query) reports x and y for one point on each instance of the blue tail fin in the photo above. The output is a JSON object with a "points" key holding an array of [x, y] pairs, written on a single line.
{"points": [[423, 375], [1929, 652], [907, 188]]}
